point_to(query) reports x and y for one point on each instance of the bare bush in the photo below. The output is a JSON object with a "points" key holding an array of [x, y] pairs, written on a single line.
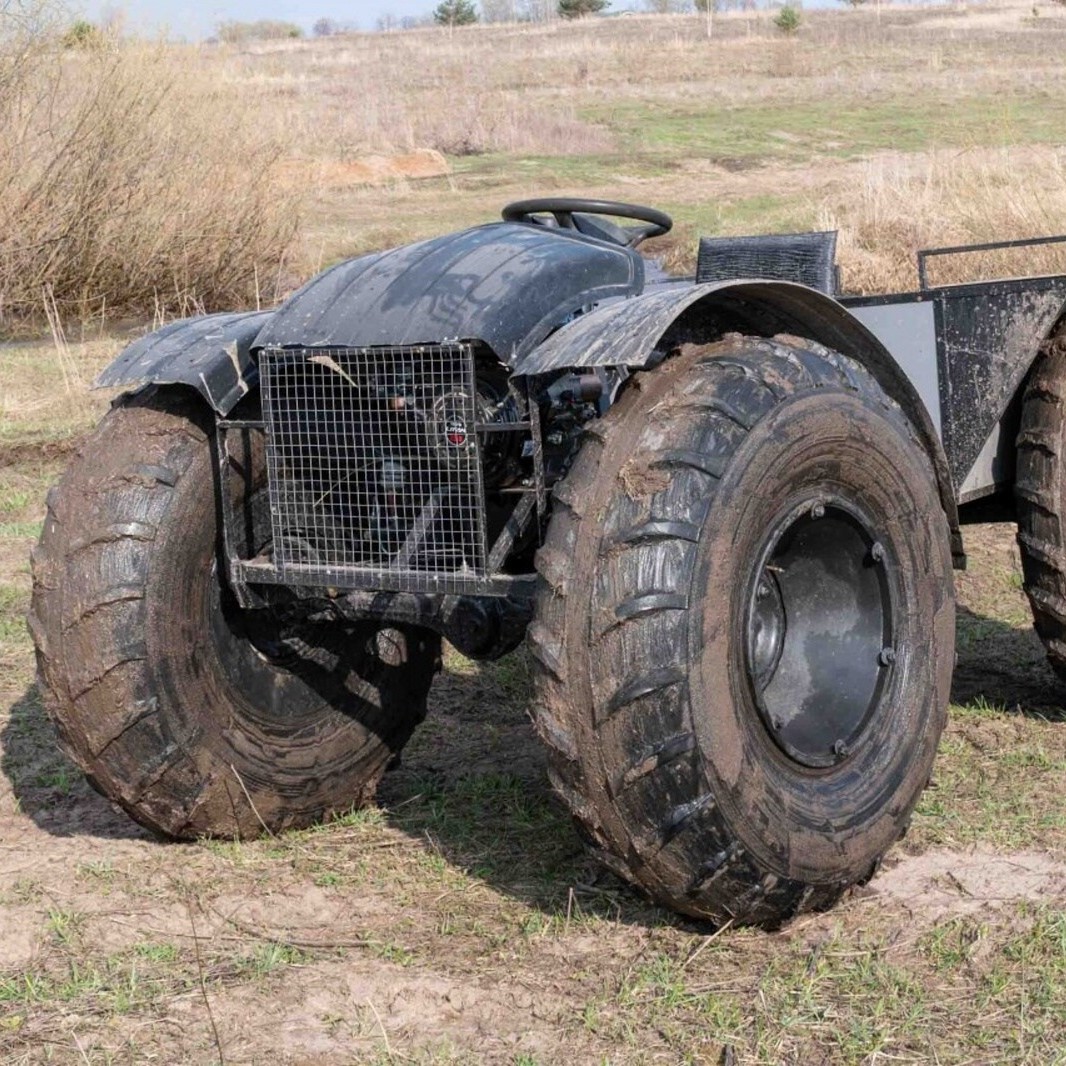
{"points": [[127, 186]]}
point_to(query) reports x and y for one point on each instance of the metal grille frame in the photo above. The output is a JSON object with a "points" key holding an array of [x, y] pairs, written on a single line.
{"points": [[375, 475]]}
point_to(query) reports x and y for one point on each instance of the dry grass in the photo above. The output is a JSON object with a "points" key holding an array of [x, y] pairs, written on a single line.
{"points": [[126, 189], [950, 198], [141, 178], [913, 128]]}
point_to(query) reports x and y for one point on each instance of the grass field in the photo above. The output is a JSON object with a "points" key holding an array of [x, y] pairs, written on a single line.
{"points": [[459, 921]]}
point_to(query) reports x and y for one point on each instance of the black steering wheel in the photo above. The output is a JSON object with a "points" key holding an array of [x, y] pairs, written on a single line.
{"points": [[568, 213]]}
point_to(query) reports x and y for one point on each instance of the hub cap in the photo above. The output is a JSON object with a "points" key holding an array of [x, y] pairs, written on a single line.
{"points": [[819, 633]]}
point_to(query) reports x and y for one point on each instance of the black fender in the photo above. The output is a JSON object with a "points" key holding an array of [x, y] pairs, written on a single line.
{"points": [[638, 333], [211, 353], [506, 284]]}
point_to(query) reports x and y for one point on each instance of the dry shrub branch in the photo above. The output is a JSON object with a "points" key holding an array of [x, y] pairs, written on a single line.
{"points": [[128, 186]]}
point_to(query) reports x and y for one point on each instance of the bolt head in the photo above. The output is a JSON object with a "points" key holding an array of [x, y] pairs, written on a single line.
{"points": [[887, 656], [877, 552], [818, 510], [840, 749]]}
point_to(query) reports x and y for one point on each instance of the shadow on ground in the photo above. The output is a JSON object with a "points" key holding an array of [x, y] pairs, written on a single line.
{"points": [[1004, 667], [473, 783], [47, 786], [472, 787]]}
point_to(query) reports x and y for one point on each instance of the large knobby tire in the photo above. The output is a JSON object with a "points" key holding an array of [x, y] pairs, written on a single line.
{"points": [[1040, 491], [197, 718], [745, 631]]}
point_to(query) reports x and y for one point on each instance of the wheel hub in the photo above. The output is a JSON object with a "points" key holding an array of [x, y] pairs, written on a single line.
{"points": [[819, 631]]}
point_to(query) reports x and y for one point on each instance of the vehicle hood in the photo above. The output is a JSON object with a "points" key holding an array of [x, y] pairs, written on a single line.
{"points": [[507, 284]]}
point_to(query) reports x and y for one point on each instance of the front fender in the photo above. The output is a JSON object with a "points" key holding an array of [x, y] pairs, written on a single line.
{"points": [[211, 353], [637, 333]]}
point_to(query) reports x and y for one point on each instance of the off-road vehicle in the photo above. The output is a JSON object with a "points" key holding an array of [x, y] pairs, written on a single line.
{"points": [[722, 512]]}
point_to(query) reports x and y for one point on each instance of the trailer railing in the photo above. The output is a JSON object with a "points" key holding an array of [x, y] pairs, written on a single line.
{"points": [[928, 253]]}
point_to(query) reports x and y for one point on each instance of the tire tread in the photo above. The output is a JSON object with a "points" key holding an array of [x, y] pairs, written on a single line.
{"points": [[600, 684]]}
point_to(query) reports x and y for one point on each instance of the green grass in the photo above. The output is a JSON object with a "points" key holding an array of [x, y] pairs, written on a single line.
{"points": [[20, 530], [472, 814], [13, 603], [844, 127], [994, 784], [157, 952], [137, 980], [852, 996], [15, 499]]}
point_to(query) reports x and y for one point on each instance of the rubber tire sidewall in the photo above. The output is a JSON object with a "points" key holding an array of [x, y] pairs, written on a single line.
{"points": [[821, 826], [191, 730]]}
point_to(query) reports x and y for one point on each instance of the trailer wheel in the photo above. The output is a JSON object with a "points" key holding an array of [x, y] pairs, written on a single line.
{"points": [[196, 717], [745, 630], [1040, 492]]}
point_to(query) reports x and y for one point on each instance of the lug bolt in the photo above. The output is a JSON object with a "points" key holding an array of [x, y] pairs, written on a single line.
{"points": [[778, 724], [877, 552], [840, 749], [818, 510], [762, 591], [887, 656]]}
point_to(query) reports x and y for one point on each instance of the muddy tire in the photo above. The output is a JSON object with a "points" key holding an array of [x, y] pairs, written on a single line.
{"points": [[196, 717], [1040, 492], [745, 632]]}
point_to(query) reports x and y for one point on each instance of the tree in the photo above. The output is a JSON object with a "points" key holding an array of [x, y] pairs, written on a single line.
{"points": [[576, 9], [788, 20], [325, 28], [82, 34], [455, 13]]}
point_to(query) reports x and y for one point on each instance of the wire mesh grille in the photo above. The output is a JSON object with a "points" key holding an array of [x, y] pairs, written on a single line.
{"points": [[374, 465]]}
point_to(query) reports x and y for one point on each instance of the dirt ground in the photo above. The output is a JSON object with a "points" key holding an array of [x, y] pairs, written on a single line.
{"points": [[459, 920]]}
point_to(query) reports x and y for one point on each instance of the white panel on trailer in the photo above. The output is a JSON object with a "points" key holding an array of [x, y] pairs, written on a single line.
{"points": [[908, 331]]}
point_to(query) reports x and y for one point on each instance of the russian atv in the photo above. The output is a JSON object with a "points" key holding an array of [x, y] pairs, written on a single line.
{"points": [[723, 513]]}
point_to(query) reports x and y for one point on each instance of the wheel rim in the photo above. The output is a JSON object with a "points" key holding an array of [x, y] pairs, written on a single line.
{"points": [[820, 634]]}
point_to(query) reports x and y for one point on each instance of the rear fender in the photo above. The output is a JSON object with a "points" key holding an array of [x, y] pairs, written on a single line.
{"points": [[640, 332], [211, 353]]}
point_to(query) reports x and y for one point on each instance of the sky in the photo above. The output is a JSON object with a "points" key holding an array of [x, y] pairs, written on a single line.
{"points": [[183, 18]]}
